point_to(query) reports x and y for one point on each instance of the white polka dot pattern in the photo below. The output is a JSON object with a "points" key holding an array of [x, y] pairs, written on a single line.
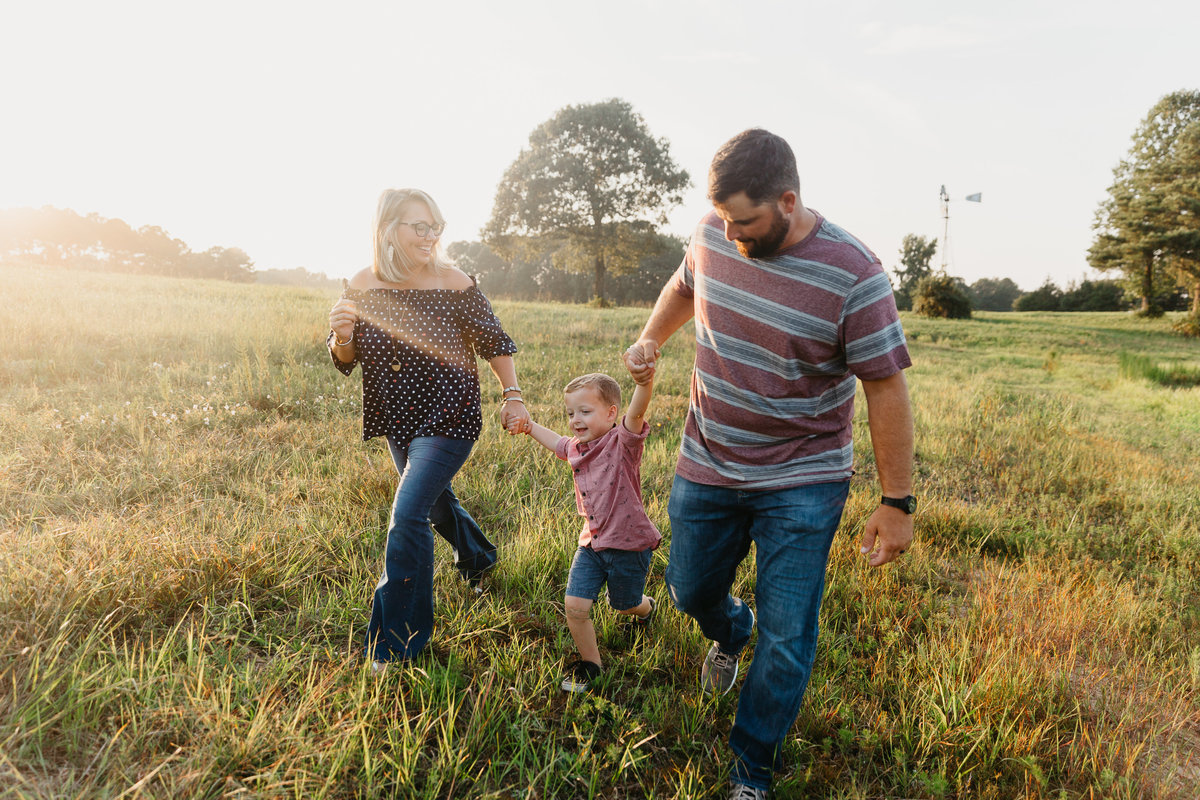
{"points": [[417, 348]]}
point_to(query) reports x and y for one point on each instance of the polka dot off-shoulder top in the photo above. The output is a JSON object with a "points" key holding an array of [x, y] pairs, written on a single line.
{"points": [[417, 348]]}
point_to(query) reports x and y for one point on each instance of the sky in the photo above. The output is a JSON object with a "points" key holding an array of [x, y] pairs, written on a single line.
{"points": [[273, 126]]}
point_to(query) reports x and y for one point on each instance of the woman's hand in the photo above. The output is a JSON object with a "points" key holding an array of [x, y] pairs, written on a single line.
{"points": [[342, 317], [514, 418]]}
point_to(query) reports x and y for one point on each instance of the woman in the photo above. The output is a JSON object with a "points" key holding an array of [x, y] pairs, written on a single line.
{"points": [[415, 323]]}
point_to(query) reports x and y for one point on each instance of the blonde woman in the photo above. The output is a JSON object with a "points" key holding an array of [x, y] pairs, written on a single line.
{"points": [[415, 323]]}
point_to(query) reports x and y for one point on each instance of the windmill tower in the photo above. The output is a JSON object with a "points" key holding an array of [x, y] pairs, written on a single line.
{"points": [[944, 198]]}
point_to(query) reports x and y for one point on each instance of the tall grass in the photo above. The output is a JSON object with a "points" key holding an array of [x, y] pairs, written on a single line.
{"points": [[1140, 366], [190, 528]]}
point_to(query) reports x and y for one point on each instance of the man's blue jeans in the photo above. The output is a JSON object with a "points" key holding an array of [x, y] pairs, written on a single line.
{"points": [[792, 530], [402, 608]]}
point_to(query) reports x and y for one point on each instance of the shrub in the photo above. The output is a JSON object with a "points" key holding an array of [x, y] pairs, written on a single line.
{"points": [[941, 296], [1188, 326]]}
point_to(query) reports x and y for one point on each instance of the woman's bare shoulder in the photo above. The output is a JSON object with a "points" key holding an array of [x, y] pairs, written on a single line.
{"points": [[365, 279], [457, 280]]}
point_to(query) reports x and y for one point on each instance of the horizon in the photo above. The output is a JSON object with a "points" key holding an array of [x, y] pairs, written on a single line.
{"points": [[274, 132]]}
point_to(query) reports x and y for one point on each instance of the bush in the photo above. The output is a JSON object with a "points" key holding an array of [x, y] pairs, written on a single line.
{"points": [[1188, 326], [941, 296]]}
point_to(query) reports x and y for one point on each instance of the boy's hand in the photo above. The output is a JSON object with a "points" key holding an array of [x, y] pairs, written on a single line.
{"points": [[518, 425], [640, 360]]}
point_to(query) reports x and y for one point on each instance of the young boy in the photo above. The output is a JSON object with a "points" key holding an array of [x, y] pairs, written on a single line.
{"points": [[618, 538]]}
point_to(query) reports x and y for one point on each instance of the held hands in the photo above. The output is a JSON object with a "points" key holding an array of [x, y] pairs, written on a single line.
{"points": [[516, 426], [514, 418], [640, 359], [888, 533]]}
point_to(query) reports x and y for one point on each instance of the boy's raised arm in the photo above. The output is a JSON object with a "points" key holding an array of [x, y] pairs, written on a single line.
{"points": [[639, 404]]}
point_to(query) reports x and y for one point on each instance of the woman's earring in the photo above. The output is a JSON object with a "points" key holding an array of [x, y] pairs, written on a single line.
{"points": [[391, 254]]}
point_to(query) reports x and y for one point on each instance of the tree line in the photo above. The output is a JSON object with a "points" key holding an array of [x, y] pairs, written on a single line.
{"points": [[917, 285], [63, 237], [577, 216], [537, 276]]}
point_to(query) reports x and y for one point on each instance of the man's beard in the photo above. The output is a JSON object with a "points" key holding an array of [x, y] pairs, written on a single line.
{"points": [[770, 243]]}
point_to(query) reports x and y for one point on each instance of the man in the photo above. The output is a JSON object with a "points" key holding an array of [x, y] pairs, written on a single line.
{"points": [[790, 310]]}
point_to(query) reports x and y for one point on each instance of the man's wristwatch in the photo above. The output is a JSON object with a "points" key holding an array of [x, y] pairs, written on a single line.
{"points": [[906, 504]]}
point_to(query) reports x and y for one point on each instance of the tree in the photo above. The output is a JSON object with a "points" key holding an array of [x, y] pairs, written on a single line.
{"points": [[657, 265], [1105, 295], [915, 254], [941, 296], [1141, 228], [591, 188], [222, 263], [1182, 204], [1047, 297], [993, 294]]}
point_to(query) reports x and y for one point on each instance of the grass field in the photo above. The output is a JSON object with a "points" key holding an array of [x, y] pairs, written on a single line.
{"points": [[190, 529]]}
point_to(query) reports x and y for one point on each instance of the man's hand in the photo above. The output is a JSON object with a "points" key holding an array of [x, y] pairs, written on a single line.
{"points": [[888, 534], [640, 360]]}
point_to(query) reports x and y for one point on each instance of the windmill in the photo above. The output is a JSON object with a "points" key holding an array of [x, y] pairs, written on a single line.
{"points": [[944, 197]]}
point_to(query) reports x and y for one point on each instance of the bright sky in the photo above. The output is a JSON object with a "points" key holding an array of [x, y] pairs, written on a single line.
{"points": [[273, 126]]}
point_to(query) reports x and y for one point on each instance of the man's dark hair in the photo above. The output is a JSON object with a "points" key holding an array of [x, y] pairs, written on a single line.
{"points": [[756, 162]]}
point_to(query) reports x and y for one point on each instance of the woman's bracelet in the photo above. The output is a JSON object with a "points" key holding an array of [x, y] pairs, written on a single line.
{"points": [[508, 389], [514, 399], [336, 343]]}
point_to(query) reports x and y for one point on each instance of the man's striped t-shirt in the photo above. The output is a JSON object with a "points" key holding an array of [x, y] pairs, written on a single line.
{"points": [[779, 344]]}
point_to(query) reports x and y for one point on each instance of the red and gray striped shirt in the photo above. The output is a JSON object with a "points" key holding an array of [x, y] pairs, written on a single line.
{"points": [[779, 344]]}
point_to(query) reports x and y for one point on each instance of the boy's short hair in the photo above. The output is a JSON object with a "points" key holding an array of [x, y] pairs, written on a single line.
{"points": [[604, 385]]}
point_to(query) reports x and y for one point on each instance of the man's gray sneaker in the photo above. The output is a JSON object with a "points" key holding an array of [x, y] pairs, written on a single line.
{"points": [[721, 668], [740, 791], [719, 672]]}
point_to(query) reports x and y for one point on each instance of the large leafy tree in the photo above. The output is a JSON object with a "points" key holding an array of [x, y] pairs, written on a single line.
{"points": [[1144, 227], [916, 253], [591, 188], [1182, 206]]}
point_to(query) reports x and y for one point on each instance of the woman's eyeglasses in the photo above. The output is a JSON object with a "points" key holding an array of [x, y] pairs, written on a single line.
{"points": [[424, 229]]}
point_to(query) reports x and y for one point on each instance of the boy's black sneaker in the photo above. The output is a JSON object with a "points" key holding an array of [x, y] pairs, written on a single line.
{"points": [[580, 675], [643, 623]]}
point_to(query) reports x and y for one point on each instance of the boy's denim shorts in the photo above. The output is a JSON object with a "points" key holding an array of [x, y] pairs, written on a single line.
{"points": [[623, 570]]}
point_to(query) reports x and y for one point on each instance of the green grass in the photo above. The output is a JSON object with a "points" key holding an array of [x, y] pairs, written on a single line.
{"points": [[1173, 375], [190, 528]]}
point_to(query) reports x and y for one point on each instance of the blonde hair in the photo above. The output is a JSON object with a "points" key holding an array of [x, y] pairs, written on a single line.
{"points": [[389, 261], [604, 385]]}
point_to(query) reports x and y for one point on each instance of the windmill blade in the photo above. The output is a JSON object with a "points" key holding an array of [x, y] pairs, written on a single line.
{"points": [[976, 198]]}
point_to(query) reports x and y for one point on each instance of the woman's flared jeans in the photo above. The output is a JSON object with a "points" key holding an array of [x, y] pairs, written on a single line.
{"points": [[402, 608]]}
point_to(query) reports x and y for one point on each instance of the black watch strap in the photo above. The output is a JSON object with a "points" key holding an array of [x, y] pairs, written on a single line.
{"points": [[906, 504]]}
